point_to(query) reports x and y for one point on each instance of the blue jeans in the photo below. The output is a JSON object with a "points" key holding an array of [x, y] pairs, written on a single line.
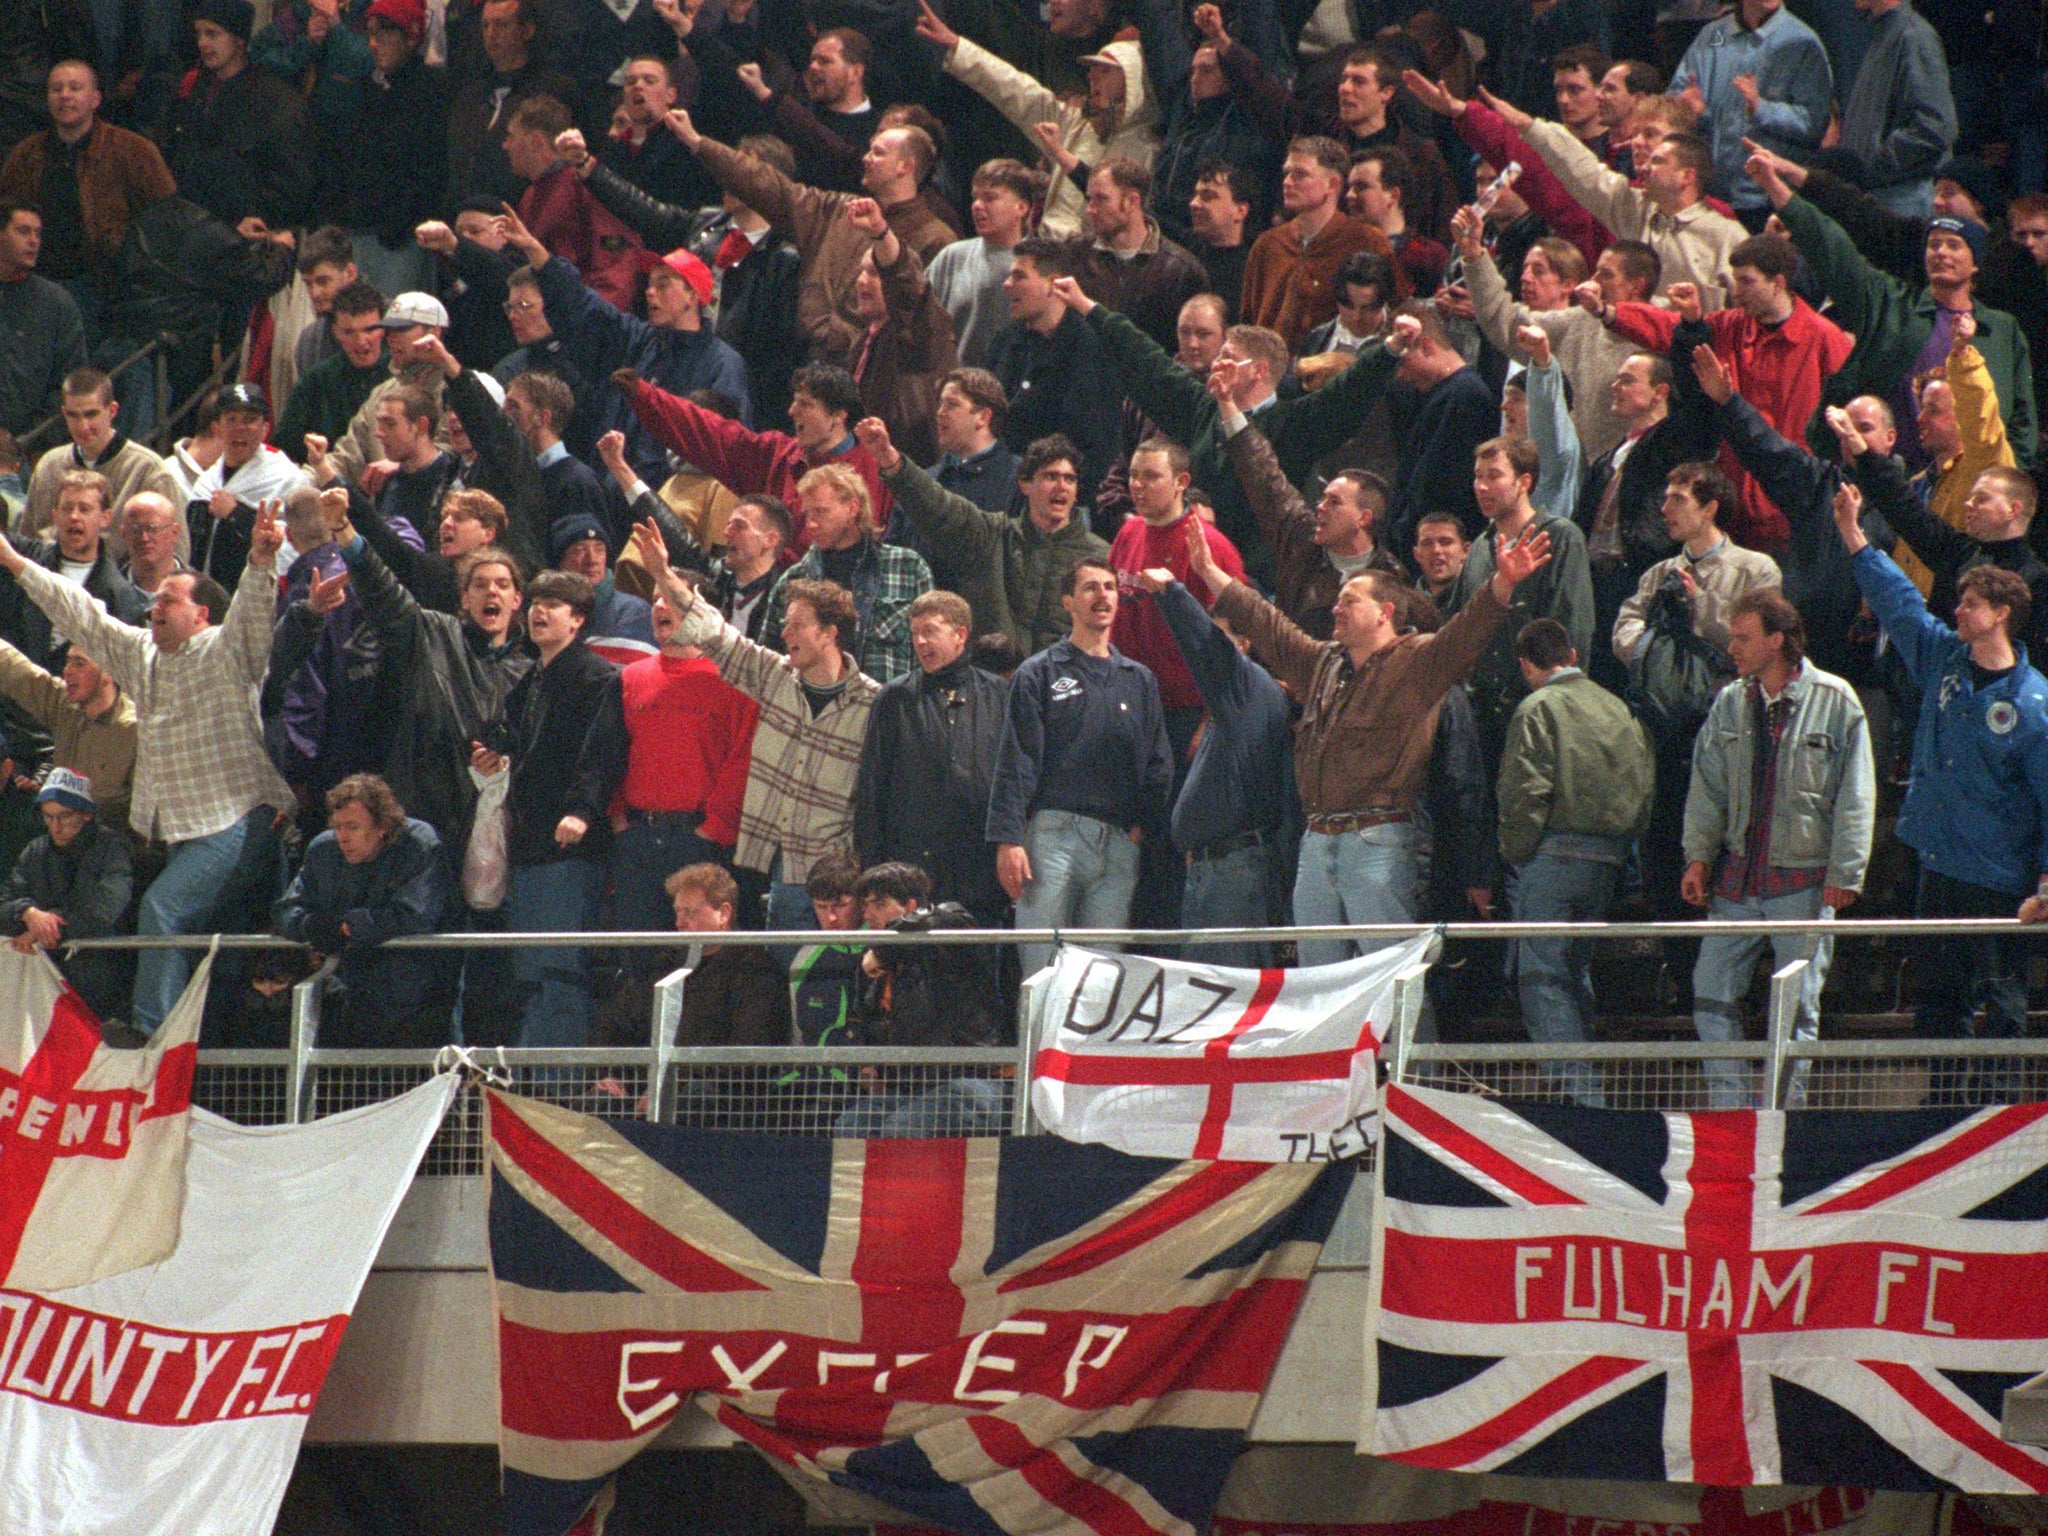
{"points": [[557, 897], [1367, 876], [644, 855], [1555, 976], [967, 1106], [1720, 980], [1083, 874], [1233, 891], [203, 878]]}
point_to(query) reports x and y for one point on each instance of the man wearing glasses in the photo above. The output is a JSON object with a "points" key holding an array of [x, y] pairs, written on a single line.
{"points": [[150, 527]]}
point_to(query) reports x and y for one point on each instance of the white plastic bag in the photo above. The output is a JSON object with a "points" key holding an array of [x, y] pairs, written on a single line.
{"points": [[486, 863]]}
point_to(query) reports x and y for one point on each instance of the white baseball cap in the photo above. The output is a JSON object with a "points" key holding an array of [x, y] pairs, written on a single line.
{"points": [[415, 309]]}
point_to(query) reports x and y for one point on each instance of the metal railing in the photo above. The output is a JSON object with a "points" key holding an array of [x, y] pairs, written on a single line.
{"points": [[807, 1090], [51, 427]]}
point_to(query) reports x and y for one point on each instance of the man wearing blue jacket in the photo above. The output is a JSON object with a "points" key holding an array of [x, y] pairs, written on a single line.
{"points": [[1977, 807], [1237, 810]]}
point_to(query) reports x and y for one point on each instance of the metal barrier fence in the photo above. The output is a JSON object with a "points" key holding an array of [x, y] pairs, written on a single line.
{"points": [[812, 1090]]}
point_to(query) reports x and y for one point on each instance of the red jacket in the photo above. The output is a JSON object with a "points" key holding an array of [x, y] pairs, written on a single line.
{"points": [[1778, 369], [748, 462], [1497, 143], [1141, 631], [690, 741], [575, 226]]}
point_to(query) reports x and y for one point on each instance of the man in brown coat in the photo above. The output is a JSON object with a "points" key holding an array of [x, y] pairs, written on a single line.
{"points": [[829, 243], [1290, 276], [1362, 751], [89, 178]]}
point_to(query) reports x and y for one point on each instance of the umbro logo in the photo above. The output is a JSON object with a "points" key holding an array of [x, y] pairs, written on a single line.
{"points": [[1066, 688]]}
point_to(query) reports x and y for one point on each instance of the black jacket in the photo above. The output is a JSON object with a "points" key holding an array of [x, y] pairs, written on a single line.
{"points": [[925, 774], [181, 268], [757, 295], [1060, 382], [244, 148], [90, 884], [453, 683], [564, 727], [1684, 435], [397, 159], [26, 625], [944, 994], [504, 467]]}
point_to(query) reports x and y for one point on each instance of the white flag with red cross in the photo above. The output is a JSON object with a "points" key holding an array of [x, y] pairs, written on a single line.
{"points": [[1162, 1059], [92, 1139]]}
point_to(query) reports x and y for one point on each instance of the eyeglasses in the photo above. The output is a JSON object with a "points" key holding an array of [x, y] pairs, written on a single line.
{"points": [[147, 530], [520, 306]]}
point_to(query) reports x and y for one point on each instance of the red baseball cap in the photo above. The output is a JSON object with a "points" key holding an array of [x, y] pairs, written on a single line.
{"points": [[409, 16], [688, 267]]}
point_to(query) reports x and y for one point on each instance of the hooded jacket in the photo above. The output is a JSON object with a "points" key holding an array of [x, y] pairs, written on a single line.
{"points": [[1026, 102]]}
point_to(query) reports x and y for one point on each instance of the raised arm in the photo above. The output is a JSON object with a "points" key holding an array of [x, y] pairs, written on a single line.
{"points": [[246, 631], [122, 649]]}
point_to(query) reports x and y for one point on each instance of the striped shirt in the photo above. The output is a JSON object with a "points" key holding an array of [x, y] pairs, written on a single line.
{"points": [[800, 786], [200, 766]]}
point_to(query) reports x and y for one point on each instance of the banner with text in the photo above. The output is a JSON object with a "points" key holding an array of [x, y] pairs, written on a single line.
{"points": [[170, 1400], [1724, 1298], [1163, 1059]]}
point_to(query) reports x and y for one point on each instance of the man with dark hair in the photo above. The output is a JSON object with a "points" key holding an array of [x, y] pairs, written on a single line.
{"points": [[326, 264], [1049, 362], [42, 338], [1574, 789], [837, 102], [737, 994], [204, 784], [672, 347], [221, 512], [1443, 415], [640, 150], [1363, 748], [1976, 809], [374, 875], [392, 177], [1009, 568], [239, 140], [815, 705], [1218, 210], [562, 727], [1756, 851], [76, 881], [824, 402], [929, 763], [1288, 275], [1439, 555], [1084, 775], [561, 214], [1504, 472], [974, 461], [1128, 264], [1377, 190], [539, 405], [481, 114], [893, 172], [329, 392], [1575, 75]]}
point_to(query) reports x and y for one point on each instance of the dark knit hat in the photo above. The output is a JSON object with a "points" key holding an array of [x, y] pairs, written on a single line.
{"points": [[1967, 230], [236, 16]]}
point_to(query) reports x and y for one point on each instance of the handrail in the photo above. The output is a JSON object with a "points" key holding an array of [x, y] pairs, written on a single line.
{"points": [[1859, 927], [55, 419]]}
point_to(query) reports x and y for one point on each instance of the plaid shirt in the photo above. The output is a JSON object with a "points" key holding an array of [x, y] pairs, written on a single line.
{"points": [[887, 579], [200, 766], [801, 783]]}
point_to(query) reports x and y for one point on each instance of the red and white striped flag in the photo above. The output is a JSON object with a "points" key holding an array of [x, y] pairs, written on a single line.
{"points": [[92, 1139], [1162, 1059]]}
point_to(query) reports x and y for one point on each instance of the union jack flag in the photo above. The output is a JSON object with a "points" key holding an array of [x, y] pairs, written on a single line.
{"points": [[1727, 1298], [989, 1335]]}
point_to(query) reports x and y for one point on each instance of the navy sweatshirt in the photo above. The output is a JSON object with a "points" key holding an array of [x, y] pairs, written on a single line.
{"points": [[1242, 775], [1085, 734]]}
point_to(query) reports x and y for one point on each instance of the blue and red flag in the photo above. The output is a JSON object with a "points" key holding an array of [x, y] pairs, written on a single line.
{"points": [[990, 1335]]}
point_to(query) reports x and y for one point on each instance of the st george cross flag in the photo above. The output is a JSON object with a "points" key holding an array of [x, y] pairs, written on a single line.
{"points": [[1162, 1059], [1726, 1298], [990, 1335], [92, 1139], [170, 1401]]}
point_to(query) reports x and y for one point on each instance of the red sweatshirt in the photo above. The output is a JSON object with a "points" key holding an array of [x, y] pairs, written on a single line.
{"points": [[748, 462], [574, 225], [1141, 631], [690, 741]]}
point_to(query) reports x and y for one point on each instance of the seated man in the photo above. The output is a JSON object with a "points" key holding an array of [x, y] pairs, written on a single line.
{"points": [[73, 882], [940, 995], [824, 979], [737, 994], [374, 874]]}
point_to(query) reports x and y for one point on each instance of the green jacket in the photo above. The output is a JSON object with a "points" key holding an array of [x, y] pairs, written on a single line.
{"points": [[1575, 761], [1891, 321], [325, 400], [1301, 430], [1009, 572]]}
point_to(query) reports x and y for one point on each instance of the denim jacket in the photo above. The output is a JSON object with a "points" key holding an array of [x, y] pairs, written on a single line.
{"points": [[1826, 796]]}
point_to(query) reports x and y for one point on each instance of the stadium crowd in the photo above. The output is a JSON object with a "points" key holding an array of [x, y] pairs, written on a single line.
{"points": [[654, 464]]}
